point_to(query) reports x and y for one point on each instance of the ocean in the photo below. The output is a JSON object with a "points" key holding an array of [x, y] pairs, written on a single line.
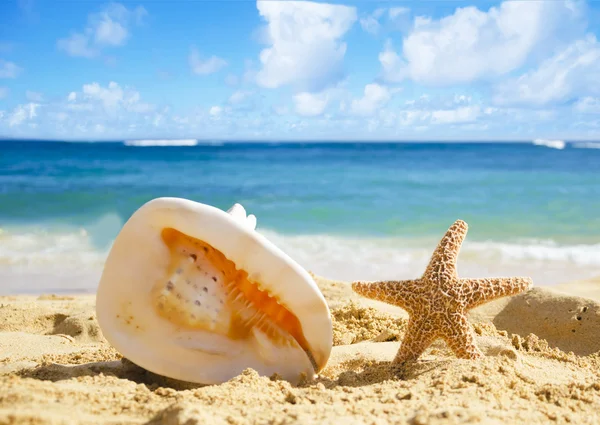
{"points": [[342, 210]]}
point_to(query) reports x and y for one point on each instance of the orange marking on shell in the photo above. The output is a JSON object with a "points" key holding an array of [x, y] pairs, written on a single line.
{"points": [[236, 283]]}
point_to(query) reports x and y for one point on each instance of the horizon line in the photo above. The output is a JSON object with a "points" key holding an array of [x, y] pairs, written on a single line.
{"points": [[240, 140]]}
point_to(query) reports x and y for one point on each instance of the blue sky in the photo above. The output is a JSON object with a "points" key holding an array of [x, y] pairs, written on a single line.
{"points": [[428, 70]]}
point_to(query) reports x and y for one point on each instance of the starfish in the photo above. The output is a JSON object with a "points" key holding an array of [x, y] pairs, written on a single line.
{"points": [[438, 302]]}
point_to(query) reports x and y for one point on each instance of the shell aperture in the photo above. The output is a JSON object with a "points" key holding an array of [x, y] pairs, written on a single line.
{"points": [[204, 287]]}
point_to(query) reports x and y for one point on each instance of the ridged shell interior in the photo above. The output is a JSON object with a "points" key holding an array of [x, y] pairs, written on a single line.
{"points": [[202, 289]]}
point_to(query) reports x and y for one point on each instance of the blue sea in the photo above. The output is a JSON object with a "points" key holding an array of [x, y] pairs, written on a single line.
{"points": [[342, 210]]}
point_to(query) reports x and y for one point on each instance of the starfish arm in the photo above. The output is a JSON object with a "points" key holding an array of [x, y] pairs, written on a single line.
{"points": [[480, 291], [443, 261], [458, 334], [419, 335], [396, 292]]}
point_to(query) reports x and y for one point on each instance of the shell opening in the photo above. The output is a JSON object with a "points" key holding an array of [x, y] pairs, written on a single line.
{"points": [[202, 289]]}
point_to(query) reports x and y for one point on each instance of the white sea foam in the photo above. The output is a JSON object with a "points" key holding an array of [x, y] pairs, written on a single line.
{"points": [[555, 144], [538, 251], [163, 142], [34, 260], [587, 145], [34, 249], [396, 258]]}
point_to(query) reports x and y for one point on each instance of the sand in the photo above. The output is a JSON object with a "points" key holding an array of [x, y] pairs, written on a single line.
{"points": [[541, 365]]}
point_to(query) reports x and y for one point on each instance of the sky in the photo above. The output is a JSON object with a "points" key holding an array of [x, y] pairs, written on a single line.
{"points": [[293, 70]]}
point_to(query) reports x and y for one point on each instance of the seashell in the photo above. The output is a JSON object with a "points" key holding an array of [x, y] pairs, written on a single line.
{"points": [[194, 293]]}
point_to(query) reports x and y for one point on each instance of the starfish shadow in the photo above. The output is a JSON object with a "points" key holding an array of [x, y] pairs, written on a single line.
{"points": [[357, 373], [412, 370], [372, 373], [377, 372]]}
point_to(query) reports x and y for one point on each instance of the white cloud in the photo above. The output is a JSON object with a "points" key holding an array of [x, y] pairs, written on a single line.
{"points": [[9, 69], [215, 111], [305, 43], [33, 96], [22, 113], [471, 44], [572, 72], [181, 120], [3, 92], [59, 116], [439, 111], [111, 99], [110, 33], [375, 96], [588, 105], [78, 45], [370, 23], [392, 66], [397, 18], [410, 117], [207, 66], [396, 12], [239, 96], [106, 110], [80, 106], [461, 99], [158, 119], [458, 115], [546, 115], [108, 28], [309, 104]]}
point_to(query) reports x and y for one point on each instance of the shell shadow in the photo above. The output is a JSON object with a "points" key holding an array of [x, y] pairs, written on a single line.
{"points": [[122, 369]]}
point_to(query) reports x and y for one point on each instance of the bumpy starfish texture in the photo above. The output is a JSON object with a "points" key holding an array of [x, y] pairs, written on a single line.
{"points": [[438, 302]]}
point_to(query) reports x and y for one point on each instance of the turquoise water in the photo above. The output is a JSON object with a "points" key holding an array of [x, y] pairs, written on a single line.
{"points": [[65, 202]]}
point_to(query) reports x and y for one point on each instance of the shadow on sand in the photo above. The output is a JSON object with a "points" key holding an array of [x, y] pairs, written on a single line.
{"points": [[122, 369]]}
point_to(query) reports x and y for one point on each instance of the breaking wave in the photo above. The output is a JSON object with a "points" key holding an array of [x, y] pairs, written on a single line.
{"points": [[163, 142], [39, 249], [554, 144], [70, 252], [349, 259]]}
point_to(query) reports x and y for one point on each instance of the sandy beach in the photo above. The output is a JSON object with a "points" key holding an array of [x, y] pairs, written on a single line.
{"points": [[541, 365]]}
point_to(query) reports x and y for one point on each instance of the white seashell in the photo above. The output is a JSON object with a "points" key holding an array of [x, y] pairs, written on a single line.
{"points": [[194, 293], [251, 221], [239, 213]]}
